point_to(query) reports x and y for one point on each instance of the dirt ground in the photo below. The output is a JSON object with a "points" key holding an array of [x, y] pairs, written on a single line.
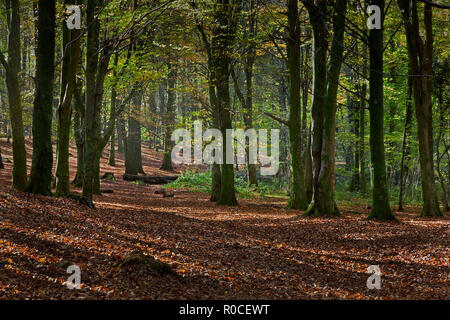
{"points": [[258, 250]]}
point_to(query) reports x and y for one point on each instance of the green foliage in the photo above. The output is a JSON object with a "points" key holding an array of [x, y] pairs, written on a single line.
{"points": [[201, 182]]}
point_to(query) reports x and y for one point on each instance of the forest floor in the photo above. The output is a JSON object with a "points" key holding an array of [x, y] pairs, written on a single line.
{"points": [[258, 250]]}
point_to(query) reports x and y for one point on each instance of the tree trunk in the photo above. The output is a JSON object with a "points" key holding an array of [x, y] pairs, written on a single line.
{"points": [[41, 169], [380, 197], [325, 200], [361, 144], [405, 148], [223, 35], [92, 113], [320, 46], [112, 115], [78, 130], [134, 131], [169, 118], [421, 60], [12, 67], [297, 193], [68, 73], [121, 133]]}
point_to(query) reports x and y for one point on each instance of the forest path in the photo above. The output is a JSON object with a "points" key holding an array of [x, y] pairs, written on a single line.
{"points": [[258, 250]]}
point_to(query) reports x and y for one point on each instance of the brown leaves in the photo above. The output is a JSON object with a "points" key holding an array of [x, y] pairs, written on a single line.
{"points": [[257, 250]]}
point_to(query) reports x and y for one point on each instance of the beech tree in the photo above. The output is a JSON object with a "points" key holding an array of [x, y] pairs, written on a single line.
{"points": [[380, 195], [41, 169], [421, 63], [12, 68]]}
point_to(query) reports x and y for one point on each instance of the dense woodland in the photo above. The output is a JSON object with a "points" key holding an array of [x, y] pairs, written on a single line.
{"points": [[363, 113]]}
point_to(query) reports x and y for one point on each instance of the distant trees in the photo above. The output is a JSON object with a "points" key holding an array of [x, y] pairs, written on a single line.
{"points": [[233, 64]]}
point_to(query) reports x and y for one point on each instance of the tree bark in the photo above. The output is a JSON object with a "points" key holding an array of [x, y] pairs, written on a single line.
{"points": [[92, 112], [169, 118], [380, 197], [297, 199], [12, 68], [42, 161], [325, 200], [224, 33], [405, 147], [421, 61], [68, 73]]}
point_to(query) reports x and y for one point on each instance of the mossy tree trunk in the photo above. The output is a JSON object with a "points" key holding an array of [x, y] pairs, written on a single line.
{"points": [[224, 32], [42, 162], [12, 68], [421, 64], [297, 199], [319, 53], [92, 108], [215, 167], [325, 201], [380, 197], [68, 73]]}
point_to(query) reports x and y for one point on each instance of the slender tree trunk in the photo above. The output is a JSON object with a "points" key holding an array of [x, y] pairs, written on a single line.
{"points": [[380, 196], [405, 148], [112, 115], [41, 169], [78, 130], [68, 73], [12, 67], [169, 118], [121, 133], [297, 193], [361, 144], [92, 113], [354, 119]]}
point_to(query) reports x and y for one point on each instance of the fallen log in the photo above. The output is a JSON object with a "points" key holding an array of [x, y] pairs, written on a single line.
{"points": [[150, 179]]}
